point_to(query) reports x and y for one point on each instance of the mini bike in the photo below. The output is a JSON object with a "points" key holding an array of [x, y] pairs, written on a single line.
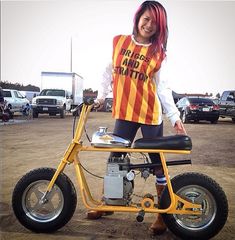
{"points": [[193, 205]]}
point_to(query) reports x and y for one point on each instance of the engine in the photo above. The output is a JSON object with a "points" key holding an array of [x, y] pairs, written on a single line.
{"points": [[117, 188]]}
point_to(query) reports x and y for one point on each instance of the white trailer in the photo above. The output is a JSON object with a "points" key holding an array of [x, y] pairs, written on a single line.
{"points": [[69, 81], [60, 92]]}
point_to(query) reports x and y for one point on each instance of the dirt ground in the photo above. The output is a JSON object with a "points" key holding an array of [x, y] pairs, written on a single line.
{"points": [[30, 144]]}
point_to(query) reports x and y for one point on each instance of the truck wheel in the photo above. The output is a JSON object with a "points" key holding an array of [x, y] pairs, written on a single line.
{"points": [[62, 113], [233, 119], [35, 114], [214, 121], [39, 214], [203, 190]]}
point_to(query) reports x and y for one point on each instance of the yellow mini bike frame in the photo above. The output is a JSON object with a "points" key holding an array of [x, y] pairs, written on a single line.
{"points": [[71, 155]]}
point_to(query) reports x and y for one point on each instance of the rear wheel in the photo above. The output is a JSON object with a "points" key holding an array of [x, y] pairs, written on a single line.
{"points": [[37, 212], [62, 112], [199, 189]]}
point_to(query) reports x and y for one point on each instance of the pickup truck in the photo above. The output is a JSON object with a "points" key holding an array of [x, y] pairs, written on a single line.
{"points": [[52, 102], [16, 102], [227, 104]]}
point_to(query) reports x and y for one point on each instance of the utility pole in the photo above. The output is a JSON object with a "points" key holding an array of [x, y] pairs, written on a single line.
{"points": [[71, 55]]}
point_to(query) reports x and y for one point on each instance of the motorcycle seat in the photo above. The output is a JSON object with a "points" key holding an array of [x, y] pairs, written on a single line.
{"points": [[175, 142]]}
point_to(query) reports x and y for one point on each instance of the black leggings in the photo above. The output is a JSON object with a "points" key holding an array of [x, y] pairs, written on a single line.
{"points": [[128, 130]]}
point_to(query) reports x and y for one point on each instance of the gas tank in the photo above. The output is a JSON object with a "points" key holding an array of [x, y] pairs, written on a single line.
{"points": [[102, 138]]}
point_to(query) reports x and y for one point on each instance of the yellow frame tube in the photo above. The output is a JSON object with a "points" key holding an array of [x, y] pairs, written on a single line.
{"points": [[98, 206], [71, 155], [74, 146]]}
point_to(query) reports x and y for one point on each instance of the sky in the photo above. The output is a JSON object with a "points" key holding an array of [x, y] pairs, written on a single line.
{"points": [[36, 36]]}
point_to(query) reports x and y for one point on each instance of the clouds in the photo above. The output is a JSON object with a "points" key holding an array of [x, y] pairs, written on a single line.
{"points": [[36, 36]]}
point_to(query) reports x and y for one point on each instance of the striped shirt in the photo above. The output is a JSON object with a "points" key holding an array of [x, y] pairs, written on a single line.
{"points": [[134, 90]]}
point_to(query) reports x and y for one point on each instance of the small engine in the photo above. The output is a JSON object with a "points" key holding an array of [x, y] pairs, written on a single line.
{"points": [[117, 188]]}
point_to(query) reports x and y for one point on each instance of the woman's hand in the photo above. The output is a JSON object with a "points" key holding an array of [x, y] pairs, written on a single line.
{"points": [[99, 103], [179, 128]]}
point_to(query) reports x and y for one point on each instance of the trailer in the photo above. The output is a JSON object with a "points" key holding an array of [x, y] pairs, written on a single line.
{"points": [[60, 92]]}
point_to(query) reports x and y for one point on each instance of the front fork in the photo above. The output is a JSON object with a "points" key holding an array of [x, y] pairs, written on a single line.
{"points": [[68, 158]]}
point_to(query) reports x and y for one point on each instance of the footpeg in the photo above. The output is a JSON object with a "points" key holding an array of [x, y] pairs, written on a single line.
{"points": [[140, 216]]}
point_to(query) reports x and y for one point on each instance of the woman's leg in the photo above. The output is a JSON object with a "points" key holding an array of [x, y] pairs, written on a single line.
{"points": [[158, 226], [152, 131], [125, 129]]}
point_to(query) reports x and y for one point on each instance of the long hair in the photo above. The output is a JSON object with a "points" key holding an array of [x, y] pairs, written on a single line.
{"points": [[159, 39]]}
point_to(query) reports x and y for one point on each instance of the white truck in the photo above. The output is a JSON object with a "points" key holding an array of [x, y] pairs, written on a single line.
{"points": [[60, 92], [15, 100]]}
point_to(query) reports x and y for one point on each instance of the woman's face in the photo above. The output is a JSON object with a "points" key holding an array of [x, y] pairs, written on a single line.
{"points": [[146, 27]]}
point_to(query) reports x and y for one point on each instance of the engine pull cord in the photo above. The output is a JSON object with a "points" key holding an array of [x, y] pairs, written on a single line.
{"points": [[87, 136], [94, 175]]}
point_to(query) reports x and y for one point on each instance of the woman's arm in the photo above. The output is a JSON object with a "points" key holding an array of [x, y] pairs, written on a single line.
{"points": [[104, 88], [105, 85]]}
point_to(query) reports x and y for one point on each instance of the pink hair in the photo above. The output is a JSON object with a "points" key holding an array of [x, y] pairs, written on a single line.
{"points": [[159, 39]]}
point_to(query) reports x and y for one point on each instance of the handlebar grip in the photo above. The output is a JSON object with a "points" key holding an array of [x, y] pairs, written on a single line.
{"points": [[88, 101]]}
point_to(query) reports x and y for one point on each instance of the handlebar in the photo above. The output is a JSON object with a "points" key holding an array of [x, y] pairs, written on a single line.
{"points": [[88, 101]]}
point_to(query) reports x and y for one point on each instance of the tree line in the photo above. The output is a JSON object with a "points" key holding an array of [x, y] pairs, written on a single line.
{"points": [[19, 87], [32, 88]]}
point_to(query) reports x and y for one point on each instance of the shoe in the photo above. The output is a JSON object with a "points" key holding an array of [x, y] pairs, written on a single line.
{"points": [[93, 215], [158, 227]]}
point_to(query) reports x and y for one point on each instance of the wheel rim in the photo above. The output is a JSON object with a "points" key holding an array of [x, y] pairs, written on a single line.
{"points": [[38, 210], [198, 195]]}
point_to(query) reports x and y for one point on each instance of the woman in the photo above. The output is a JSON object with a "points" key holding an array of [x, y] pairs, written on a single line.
{"points": [[139, 86]]}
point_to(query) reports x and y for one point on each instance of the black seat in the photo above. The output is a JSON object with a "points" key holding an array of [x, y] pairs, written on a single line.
{"points": [[176, 142]]}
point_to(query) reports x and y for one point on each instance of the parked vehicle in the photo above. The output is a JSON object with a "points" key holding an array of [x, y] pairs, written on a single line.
{"points": [[29, 94], [108, 104], [198, 108], [15, 100], [227, 104], [60, 92], [52, 102]]}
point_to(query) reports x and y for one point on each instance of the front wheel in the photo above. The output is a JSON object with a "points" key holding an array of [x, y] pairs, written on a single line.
{"points": [[62, 112], [200, 189], [38, 213]]}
